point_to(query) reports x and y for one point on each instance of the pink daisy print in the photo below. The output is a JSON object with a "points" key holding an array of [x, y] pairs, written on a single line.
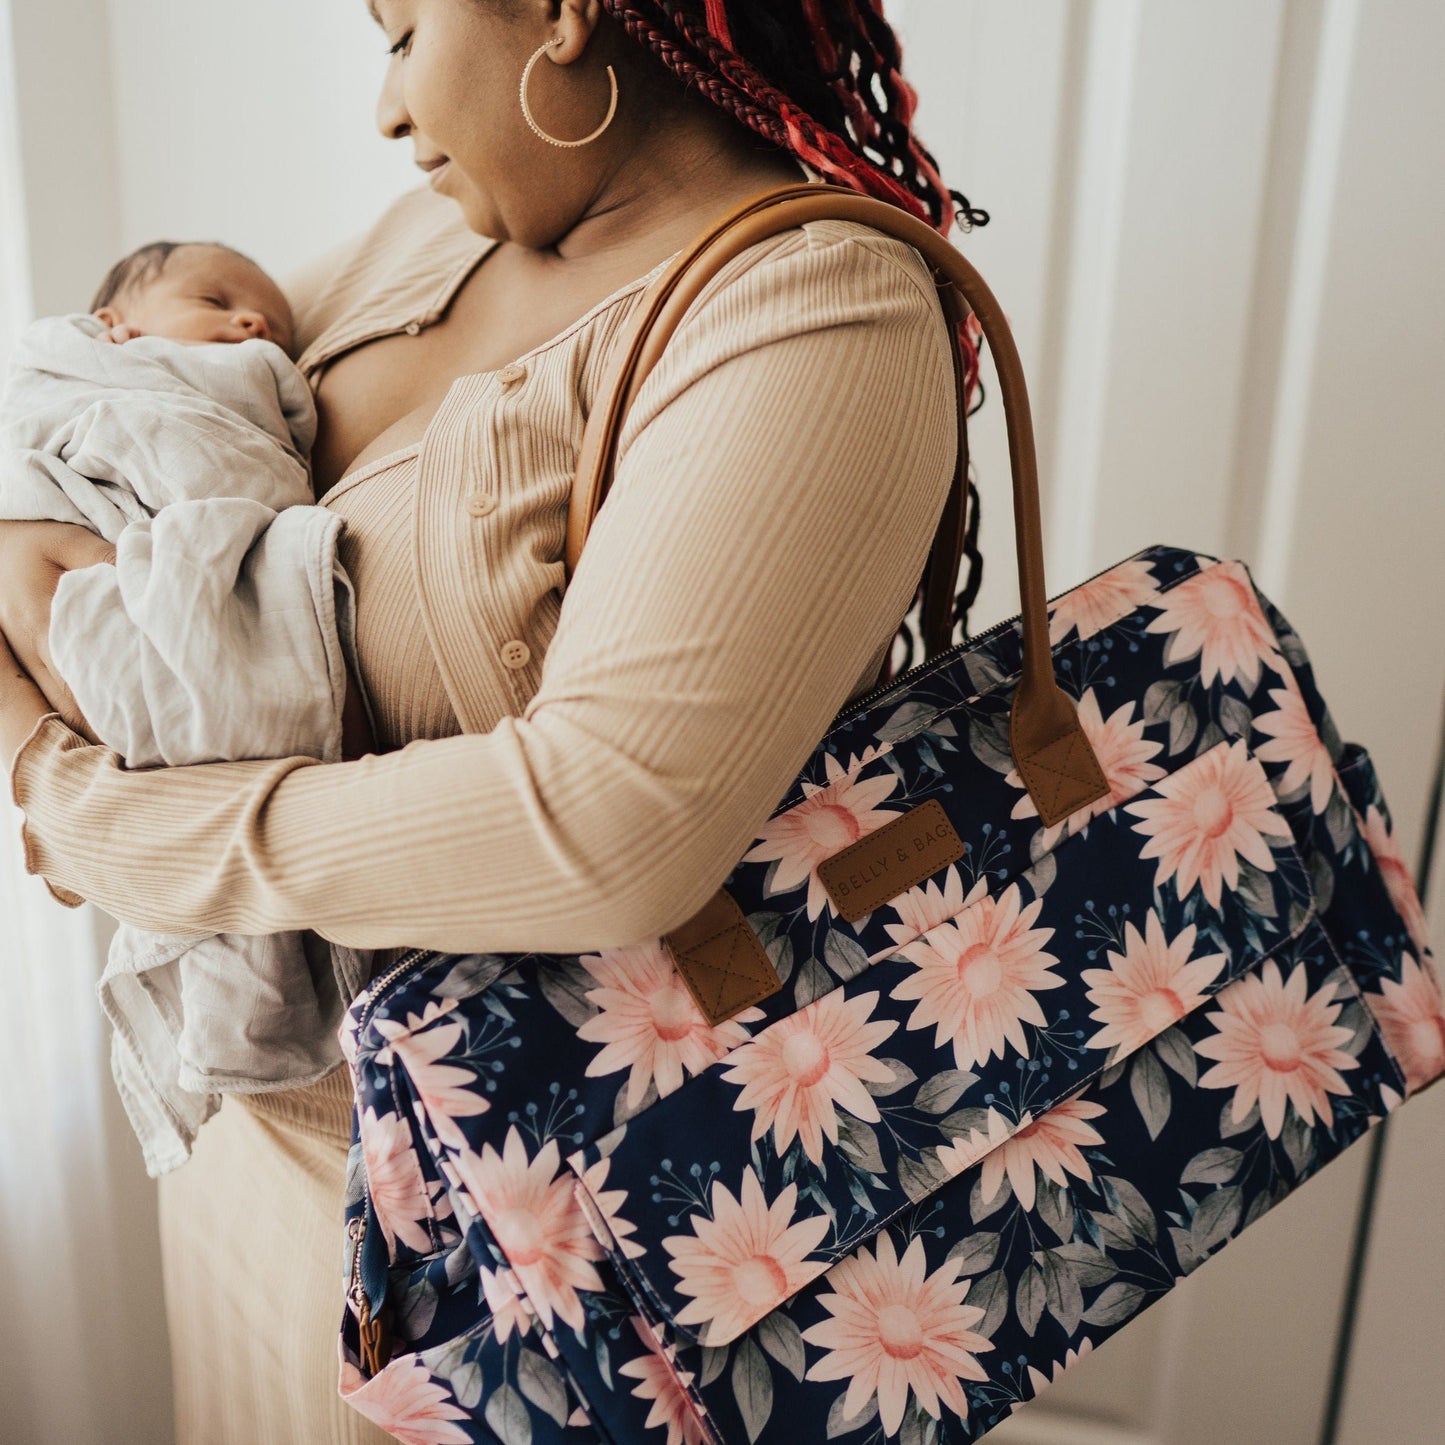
{"points": [[1051, 1141], [1124, 754], [608, 1204], [1095, 605], [1216, 615], [1041, 1381], [1398, 877], [447, 1091], [407, 1401], [1206, 818], [1149, 987], [1277, 1046], [895, 1330], [508, 1305], [745, 1261], [1293, 740], [796, 1075], [975, 977], [660, 1381], [1411, 1015], [929, 905], [398, 1190], [649, 1022], [537, 1222], [831, 816]]}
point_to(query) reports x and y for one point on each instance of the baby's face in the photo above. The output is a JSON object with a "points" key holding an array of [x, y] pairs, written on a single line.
{"points": [[205, 294]]}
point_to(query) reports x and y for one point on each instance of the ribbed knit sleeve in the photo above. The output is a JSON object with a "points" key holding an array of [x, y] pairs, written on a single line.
{"points": [[779, 484]]}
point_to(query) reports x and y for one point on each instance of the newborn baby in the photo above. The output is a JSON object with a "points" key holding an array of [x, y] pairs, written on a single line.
{"points": [[195, 293], [173, 422]]}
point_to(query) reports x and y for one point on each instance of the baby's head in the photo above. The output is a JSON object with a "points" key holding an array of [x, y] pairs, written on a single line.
{"points": [[194, 291]]}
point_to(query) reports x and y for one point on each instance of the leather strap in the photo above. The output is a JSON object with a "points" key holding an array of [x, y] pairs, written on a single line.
{"points": [[1053, 756], [721, 960], [716, 952], [634, 358]]}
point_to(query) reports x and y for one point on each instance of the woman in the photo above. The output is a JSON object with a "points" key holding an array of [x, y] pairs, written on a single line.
{"points": [[550, 777]]}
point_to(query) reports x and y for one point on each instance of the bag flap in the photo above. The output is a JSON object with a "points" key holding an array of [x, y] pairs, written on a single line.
{"points": [[836, 1118]]}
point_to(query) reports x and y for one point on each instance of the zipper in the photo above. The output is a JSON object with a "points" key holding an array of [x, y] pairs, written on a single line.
{"points": [[356, 1232], [377, 986], [860, 704], [373, 1330]]}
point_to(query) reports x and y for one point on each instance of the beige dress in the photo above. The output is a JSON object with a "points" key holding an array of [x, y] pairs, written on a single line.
{"points": [[778, 484]]}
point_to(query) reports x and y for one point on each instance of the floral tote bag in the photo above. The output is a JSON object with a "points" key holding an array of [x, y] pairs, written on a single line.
{"points": [[1067, 955]]}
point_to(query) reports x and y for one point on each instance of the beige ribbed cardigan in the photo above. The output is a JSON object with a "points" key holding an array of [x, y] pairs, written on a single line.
{"points": [[553, 778], [777, 487]]}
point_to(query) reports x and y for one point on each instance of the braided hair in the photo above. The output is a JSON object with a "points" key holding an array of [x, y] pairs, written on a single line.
{"points": [[822, 80]]}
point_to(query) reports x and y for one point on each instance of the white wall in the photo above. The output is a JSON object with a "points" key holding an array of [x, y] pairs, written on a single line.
{"points": [[290, 162], [248, 123]]}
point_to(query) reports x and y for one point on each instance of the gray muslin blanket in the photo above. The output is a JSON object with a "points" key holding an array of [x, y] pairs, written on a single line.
{"points": [[221, 632]]}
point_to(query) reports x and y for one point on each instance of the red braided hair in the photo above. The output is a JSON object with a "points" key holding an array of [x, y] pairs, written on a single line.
{"points": [[823, 80]]}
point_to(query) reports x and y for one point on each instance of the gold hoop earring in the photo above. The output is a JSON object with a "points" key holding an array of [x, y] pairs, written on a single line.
{"points": [[527, 110]]}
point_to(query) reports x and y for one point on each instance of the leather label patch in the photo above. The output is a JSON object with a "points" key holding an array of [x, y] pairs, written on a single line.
{"points": [[721, 959], [891, 860]]}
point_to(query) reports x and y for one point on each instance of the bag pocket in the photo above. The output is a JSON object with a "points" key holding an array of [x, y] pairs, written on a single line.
{"points": [[464, 1356], [943, 1321], [476, 1387], [832, 1122]]}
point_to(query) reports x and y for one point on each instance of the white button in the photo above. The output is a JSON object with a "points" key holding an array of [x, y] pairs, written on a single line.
{"points": [[515, 654], [510, 375], [479, 504], [413, 328]]}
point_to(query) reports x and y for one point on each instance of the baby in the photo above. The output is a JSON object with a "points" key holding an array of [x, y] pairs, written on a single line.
{"points": [[203, 292], [173, 421], [194, 292]]}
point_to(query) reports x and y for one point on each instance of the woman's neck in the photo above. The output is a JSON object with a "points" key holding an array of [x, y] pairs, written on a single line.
{"points": [[667, 189]]}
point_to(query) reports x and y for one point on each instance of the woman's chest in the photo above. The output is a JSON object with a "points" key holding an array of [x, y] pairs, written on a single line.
{"points": [[454, 544], [381, 396]]}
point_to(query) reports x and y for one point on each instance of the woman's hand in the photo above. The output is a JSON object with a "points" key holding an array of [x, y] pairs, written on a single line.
{"points": [[33, 558], [22, 705]]}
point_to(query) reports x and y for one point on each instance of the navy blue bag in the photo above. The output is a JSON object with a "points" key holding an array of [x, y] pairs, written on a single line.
{"points": [[1069, 953]]}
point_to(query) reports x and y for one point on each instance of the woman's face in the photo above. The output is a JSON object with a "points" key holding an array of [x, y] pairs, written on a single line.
{"points": [[452, 83]]}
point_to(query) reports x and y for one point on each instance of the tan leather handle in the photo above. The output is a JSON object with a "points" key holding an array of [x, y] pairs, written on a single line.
{"points": [[1053, 756]]}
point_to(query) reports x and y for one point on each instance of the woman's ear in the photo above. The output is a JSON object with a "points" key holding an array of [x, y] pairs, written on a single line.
{"points": [[576, 20]]}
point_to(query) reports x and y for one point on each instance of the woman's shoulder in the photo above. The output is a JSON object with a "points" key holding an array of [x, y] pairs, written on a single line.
{"points": [[807, 279], [400, 264], [824, 273], [840, 260], [777, 308]]}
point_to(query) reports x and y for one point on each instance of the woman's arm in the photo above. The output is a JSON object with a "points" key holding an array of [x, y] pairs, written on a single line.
{"points": [[22, 704], [33, 558], [783, 473]]}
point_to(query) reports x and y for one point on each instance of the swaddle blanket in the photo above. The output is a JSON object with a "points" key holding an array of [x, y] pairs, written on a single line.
{"points": [[220, 633]]}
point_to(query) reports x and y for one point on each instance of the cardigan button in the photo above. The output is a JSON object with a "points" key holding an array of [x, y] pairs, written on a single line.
{"points": [[511, 374], [515, 654], [479, 504], [413, 328]]}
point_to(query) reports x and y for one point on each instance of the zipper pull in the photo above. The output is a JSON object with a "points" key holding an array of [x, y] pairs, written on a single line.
{"points": [[375, 1341], [374, 1334]]}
